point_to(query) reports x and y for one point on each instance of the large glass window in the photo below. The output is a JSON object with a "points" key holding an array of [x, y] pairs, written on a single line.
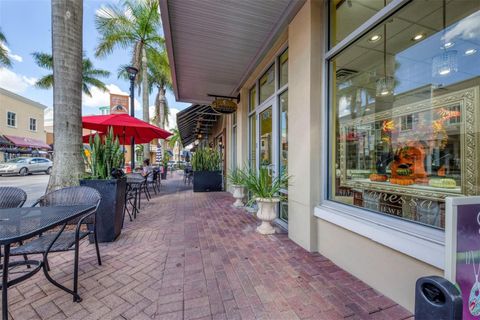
{"points": [[253, 141], [347, 15], [253, 99], [283, 69], [283, 131], [267, 84], [406, 112], [234, 140]]}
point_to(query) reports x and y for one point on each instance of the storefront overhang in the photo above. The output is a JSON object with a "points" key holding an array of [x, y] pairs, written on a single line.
{"points": [[23, 142], [213, 46], [196, 122]]}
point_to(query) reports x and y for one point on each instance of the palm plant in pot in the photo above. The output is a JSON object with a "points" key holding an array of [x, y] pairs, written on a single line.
{"points": [[236, 178], [265, 191], [207, 174], [103, 163]]}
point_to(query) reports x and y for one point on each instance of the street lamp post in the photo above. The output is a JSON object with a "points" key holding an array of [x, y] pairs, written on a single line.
{"points": [[132, 73]]}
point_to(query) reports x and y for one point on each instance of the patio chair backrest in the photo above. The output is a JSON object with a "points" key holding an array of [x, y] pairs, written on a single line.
{"points": [[12, 197], [78, 195]]}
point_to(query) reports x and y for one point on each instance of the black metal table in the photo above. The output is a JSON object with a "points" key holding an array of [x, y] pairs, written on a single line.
{"points": [[19, 224]]}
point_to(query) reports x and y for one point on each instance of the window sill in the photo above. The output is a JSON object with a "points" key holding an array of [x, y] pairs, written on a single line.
{"points": [[420, 242]]}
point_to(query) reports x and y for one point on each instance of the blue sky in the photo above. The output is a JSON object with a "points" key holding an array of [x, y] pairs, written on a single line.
{"points": [[27, 26]]}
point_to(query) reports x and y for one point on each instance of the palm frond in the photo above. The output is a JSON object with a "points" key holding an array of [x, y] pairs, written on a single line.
{"points": [[45, 82]]}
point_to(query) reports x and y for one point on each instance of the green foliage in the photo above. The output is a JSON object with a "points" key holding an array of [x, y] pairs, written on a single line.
{"points": [[206, 159], [89, 73], [4, 58], [262, 185], [166, 158], [236, 177], [104, 156]]}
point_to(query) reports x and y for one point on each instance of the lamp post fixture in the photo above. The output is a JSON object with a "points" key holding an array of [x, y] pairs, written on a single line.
{"points": [[132, 73]]}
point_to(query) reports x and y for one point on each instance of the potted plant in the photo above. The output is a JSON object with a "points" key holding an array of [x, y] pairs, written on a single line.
{"points": [[236, 178], [166, 158], [104, 159], [265, 191], [207, 175]]}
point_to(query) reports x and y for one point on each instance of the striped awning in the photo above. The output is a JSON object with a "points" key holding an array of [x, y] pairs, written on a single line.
{"points": [[195, 120]]}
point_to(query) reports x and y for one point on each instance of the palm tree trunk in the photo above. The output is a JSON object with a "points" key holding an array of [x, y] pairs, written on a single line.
{"points": [[161, 105], [146, 117], [67, 20]]}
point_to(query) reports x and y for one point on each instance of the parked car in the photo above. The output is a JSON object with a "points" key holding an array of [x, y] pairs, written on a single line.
{"points": [[26, 165]]}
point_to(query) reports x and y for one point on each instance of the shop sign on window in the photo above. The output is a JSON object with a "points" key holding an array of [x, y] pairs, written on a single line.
{"points": [[462, 265]]}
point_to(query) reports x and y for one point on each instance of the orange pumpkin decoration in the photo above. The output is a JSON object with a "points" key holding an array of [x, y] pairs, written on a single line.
{"points": [[402, 181], [378, 177]]}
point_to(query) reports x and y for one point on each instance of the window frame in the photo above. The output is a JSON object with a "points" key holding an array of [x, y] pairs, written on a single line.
{"points": [[30, 124], [15, 119], [419, 241]]}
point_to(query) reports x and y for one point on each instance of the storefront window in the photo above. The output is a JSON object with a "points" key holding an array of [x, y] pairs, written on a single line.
{"points": [[253, 141], [406, 113], [283, 131], [283, 59], [267, 84], [347, 15], [253, 99], [234, 140]]}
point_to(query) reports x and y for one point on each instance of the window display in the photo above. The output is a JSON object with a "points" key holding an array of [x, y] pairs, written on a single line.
{"points": [[407, 116]]}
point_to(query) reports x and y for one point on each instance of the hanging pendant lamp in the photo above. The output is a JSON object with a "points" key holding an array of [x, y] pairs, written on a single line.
{"points": [[385, 84], [446, 62]]}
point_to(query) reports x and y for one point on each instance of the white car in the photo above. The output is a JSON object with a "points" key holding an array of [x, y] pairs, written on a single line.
{"points": [[25, 165]]}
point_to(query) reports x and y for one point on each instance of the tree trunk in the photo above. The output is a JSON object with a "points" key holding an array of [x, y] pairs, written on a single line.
{"points": [[67, 20], [161, 105], [146, 116]]}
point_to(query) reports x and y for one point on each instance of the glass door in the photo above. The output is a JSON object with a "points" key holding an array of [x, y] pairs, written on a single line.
{"points": [[266, 137]]}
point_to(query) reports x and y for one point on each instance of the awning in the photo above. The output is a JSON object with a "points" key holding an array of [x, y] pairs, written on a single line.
{"points": [[194, 120], [213, 46], [28, 142], [4, 141]]}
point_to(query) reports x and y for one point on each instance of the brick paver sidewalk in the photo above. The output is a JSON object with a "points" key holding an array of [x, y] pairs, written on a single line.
{"points": [[192, 256]]}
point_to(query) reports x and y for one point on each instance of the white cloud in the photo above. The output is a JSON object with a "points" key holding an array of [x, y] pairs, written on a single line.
{"points": [[172, 118], [467, 29], [13, 56], [48, 117], [15, 82]]}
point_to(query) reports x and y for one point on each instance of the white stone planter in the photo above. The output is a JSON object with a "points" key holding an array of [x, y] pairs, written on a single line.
{"points": [[239, 195], [266, 213]]}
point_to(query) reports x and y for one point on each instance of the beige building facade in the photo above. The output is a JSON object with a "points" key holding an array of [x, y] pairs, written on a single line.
{"points": [[21, 126], [371, 159]]}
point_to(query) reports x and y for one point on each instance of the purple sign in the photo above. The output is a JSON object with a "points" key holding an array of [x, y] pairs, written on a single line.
{"points": [[468, 259]]}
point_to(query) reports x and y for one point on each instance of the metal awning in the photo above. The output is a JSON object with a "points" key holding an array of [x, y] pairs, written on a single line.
{"points": [[213, 46], [194, 120]]}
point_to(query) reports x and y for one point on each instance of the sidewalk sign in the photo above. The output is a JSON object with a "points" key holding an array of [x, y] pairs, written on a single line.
{"points": [[462, 251]]}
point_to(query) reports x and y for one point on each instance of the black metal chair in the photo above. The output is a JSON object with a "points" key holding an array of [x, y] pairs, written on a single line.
{"points": [[67, 240], [153, 181], [11, 197]]}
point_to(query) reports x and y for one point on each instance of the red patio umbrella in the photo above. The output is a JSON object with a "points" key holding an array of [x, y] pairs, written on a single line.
{"points": [[125, 127]]}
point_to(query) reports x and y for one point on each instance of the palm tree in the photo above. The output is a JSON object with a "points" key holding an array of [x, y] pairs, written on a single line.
{"points": [[4, 58], [89, 73], [176, 139], [134, 25], [67, 34]]}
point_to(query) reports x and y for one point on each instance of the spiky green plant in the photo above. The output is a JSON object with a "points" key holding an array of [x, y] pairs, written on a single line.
{"points": [[206, 159], [236, 176], [104, 156], [262, 185]]}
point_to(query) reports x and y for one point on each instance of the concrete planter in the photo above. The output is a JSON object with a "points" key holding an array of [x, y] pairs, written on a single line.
{"points": [[239, 195], [266, 213]]}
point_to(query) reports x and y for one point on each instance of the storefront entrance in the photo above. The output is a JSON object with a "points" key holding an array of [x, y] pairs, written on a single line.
{"points": [[269, 142]]}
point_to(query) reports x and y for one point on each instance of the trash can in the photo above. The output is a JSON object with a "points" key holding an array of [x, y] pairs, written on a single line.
{"points": [[437, 298]]}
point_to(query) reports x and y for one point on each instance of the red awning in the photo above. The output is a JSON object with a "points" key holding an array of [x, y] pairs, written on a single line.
{"points": [[28, 142]]}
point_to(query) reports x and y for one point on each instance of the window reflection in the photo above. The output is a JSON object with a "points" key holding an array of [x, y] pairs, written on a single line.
{"points": [[400, 146]]}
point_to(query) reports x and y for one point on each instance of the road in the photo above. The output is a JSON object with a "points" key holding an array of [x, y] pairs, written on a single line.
{"points": [[34, 185]]}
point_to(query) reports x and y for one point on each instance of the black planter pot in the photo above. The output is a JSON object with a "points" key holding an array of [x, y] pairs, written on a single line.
{"points": [[206, 181], [110, 211]]}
